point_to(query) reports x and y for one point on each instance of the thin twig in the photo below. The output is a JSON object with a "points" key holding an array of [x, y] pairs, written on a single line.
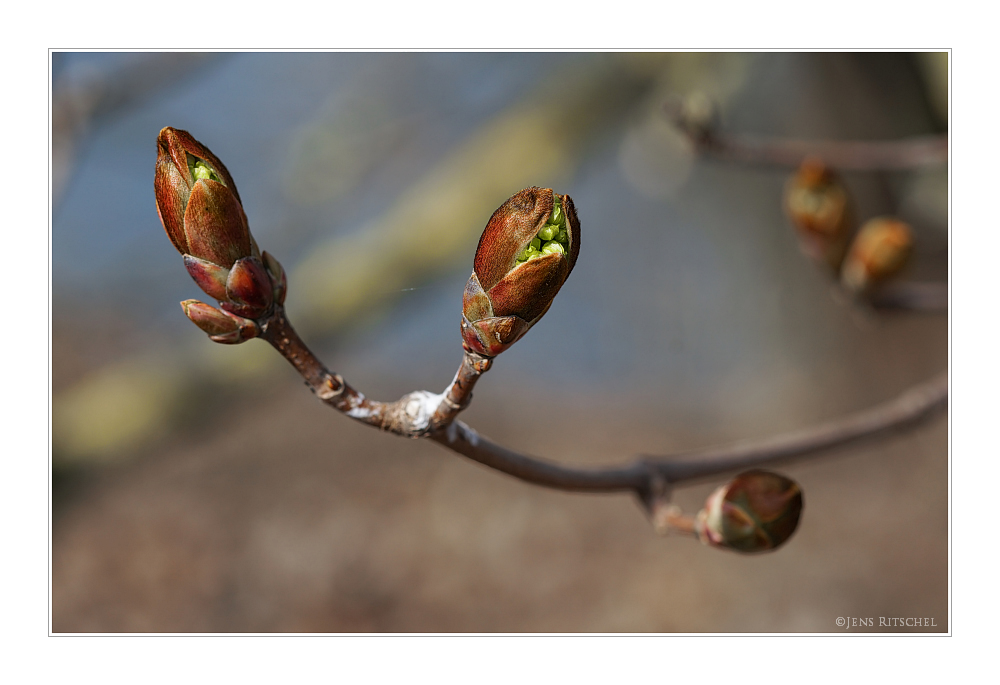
{"points": [[330, 387], [425, 414], [417, 414], [848, 155], [459, 393], [912, 296]]}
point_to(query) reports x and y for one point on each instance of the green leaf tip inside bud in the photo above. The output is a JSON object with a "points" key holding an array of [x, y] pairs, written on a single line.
{"points": [[552, 238], [548, 232], [557, 214], [201, 171]]}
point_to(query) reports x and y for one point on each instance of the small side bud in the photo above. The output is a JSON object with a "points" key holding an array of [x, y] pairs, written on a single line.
{"points": [[221, 326], [756, 511], [276, 273], [880, 250], [819, 208], [249, 288]]}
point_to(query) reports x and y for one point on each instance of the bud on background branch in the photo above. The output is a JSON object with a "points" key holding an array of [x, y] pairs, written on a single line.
{"points": [[879, 251], [525, 254], [818, 206], [200, 209]]}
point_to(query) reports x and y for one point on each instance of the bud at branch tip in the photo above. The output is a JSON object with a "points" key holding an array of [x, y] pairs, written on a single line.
{"points": [[525, 254]]}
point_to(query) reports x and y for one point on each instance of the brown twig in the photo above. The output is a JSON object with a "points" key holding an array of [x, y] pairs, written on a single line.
{"points": [[459, 393], [849, 155], [330, 387], [425, 414], [414, 415]]}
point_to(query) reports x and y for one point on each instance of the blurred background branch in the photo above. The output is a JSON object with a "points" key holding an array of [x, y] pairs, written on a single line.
{"points": [[912, 296], [693, 118]]}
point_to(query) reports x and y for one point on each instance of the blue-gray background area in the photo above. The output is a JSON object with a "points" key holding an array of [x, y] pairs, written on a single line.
{"points": [[674, 296], [690, 306]]}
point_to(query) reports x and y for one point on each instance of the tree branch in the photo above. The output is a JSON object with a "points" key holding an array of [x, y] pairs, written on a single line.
{"points": [[850, 155], [329, 387], [425, 414], [912, 296], [417, 414]]}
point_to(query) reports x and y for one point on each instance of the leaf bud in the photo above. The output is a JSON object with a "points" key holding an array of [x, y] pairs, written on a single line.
{"points": [[879, 251], [695, 114], [754, 512], [515, 279], [201, 211], [249, 290], [819, 208]]}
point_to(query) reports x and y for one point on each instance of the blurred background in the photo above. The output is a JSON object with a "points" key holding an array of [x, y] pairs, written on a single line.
{"points": [[200, 487]]}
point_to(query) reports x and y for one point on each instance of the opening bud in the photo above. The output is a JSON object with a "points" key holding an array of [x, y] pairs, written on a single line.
{"points": [[756, 511], [197, 200], [879, 251], [525, 254], [200, 209]]}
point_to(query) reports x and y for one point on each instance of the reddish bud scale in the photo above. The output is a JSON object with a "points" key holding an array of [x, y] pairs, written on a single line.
{"points": [[220, 326], [504, 298], [277, 276], [214, 224]]}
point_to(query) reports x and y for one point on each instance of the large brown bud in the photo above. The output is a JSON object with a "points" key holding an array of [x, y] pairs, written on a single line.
{"points": [[524, 256], [201, 211]]}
